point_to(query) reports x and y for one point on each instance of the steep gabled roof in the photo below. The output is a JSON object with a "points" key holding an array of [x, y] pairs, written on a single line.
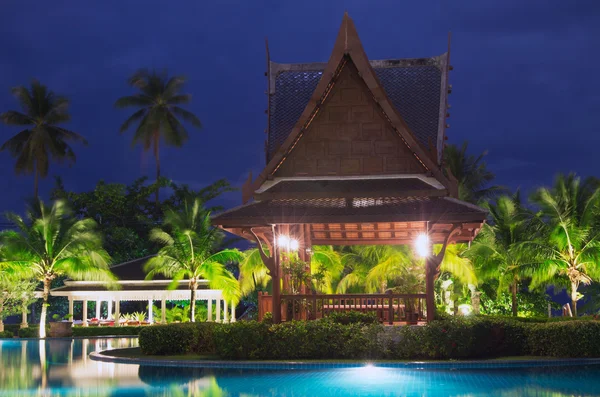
{"points": [[416, 87], [349, 48]]}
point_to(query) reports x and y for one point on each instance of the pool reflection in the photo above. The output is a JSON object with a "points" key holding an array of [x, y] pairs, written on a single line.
{"points": [[62, 368]]}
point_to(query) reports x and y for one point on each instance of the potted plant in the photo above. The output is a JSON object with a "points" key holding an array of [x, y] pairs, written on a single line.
{"points": [[61, 326], [412, 315]]}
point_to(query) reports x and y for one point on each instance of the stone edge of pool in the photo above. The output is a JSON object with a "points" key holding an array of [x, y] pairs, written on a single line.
{"points": [[102, 356]]}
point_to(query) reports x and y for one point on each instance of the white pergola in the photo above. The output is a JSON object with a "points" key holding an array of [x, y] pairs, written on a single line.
{"points": [[142, 290]]}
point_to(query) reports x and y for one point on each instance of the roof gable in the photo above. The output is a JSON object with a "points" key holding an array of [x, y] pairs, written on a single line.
{"points": [[348, 46], [349, 136]]}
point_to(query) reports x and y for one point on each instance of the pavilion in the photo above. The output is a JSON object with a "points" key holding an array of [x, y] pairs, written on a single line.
{"points": [[132, 286], [354, 155]]}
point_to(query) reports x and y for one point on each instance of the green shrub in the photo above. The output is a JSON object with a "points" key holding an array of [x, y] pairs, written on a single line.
{"points": [[321, 339], [565, 339], [176, 339], [6, 334], [450, 338], [242, 340], [354, 317], [106, 331], [30, 332], [12, 327]]}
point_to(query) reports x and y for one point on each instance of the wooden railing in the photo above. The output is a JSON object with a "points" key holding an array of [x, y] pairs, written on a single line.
{"points": [[390, 308]]}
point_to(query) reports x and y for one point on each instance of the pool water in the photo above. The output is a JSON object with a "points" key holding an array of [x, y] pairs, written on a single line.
{"points": [[63, 368]]}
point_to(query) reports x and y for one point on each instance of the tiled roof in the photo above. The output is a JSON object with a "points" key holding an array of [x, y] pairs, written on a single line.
{"points": [[133, 270], [349, 185], [344, 210], [412, 85]]}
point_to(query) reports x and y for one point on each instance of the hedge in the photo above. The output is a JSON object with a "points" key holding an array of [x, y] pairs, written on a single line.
{"points": [[7, 334], [177, 339], [456, 338], [106, 331]]}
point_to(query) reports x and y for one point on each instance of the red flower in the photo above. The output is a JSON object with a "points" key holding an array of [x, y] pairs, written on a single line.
{"points": [[453, 344], [444, 331]]}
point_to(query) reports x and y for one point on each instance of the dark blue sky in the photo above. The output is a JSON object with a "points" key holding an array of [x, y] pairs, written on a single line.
{"points": [[526, 83]]}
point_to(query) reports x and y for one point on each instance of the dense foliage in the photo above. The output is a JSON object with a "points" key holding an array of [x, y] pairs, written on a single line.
{"points": [[452, 338]]}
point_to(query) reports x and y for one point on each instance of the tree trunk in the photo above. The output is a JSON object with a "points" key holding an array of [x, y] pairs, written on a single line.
{"points": [[157, 157], [193, 302], [430, 267], [574, 299], [513, 288], [44, 307]]}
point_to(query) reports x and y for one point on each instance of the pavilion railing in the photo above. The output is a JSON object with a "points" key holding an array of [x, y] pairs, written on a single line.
{"points": [[389, 307]]}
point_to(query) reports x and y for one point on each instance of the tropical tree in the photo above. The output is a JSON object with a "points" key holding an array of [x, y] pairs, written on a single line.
{"points": [[42, 138], [571, 244], [51, 242], [188, 251], [472, 174], [500, 251], [159, 114]]}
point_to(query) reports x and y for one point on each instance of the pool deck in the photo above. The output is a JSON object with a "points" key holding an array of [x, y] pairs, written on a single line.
{"points": [[105, 356]]}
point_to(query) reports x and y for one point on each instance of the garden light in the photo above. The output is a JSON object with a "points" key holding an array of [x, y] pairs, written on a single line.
{"points": [[287, 244], [422, 245]]}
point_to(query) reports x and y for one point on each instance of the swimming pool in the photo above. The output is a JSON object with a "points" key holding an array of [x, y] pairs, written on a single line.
{"points": [[63, 368]]}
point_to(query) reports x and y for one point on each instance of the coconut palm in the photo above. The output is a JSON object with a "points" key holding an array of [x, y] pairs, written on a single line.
{"points": [[499, 251], [54, 243], [41, 138], [471, 173], [571, 242], [159, 115], [325, 264], [189, 252]]}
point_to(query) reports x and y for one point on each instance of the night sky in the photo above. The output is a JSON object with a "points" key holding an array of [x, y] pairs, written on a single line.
{"points": [[525, 79]]}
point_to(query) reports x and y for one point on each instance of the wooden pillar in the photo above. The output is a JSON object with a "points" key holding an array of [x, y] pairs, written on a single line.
{"points": [[98, 307], [84, 313], [163, 311], [276, 277], [209, 306], [429, 287]]}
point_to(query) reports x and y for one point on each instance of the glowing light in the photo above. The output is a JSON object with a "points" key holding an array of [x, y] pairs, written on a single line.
{"points": [[422, 245], [287, 244], [283, 241], [294, 245], [465, 309]]}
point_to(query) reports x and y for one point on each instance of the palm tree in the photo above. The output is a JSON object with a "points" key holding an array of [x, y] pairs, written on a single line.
{"points": [[159, 113], [325, 264], [42, 138], [572, 239], [188, 252], [54, 243], [471, 173], [500, 250]]}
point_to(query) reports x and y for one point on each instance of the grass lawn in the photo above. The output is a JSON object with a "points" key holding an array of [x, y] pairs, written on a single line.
{"points": [[135, 352]]}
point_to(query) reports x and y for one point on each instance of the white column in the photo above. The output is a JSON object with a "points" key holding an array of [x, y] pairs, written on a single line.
{"points": [[117, 311], [98, 306], [219, 310], [84, 319], [163, 311], [150, 314], [24, 317], [109, 308], [71, 308], [225, 314], [232, 312], [210, 316]]}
